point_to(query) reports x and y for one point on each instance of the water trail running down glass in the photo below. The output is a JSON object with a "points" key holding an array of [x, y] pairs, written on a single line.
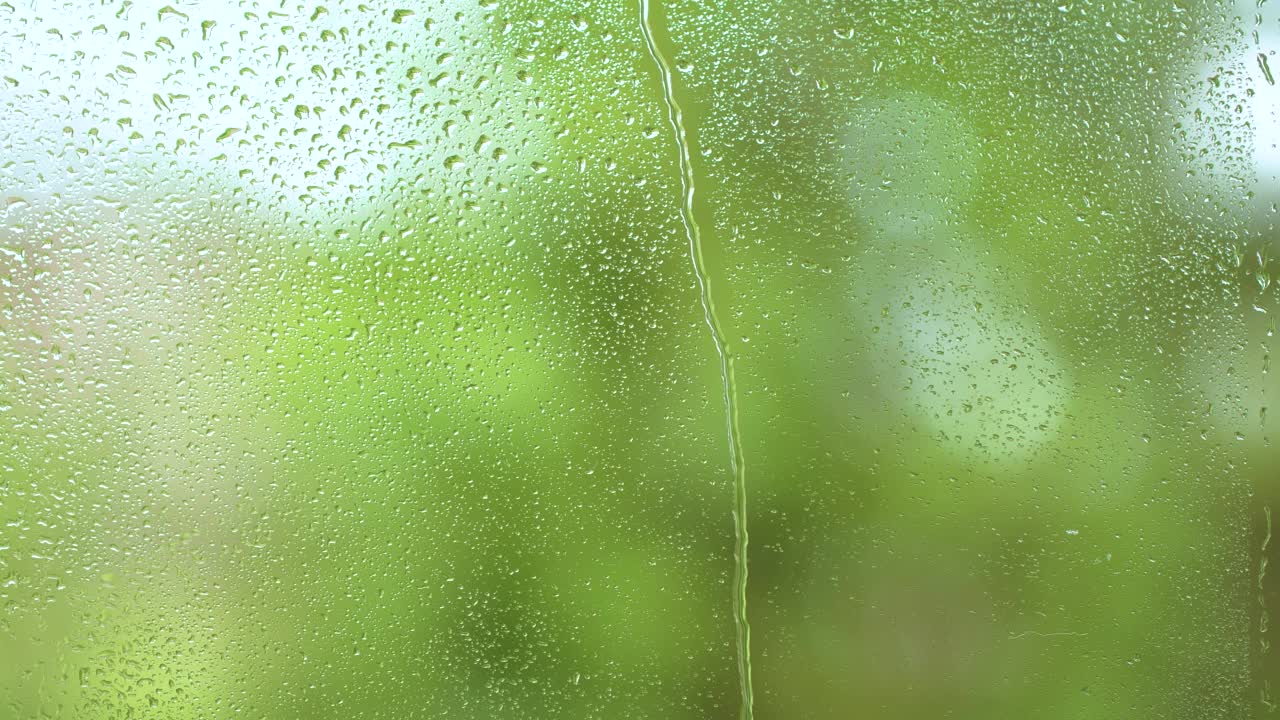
{"points": [[676, 119], [1264, 614]]}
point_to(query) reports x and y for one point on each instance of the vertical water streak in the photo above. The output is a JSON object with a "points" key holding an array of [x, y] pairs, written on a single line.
{"points": [[1264, 617], [676, 119]]}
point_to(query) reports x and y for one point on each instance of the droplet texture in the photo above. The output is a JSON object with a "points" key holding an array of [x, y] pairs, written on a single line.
{"points": [[737, 464], [395, 360]]}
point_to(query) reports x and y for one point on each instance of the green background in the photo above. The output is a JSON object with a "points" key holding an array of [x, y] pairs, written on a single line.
{"points": [[352, 366]]}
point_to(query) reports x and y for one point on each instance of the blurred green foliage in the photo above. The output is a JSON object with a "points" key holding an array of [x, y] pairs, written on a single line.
{"points": [[396, 401]]}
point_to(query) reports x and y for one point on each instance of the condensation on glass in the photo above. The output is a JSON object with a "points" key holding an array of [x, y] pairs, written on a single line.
{"points": [[375, 359]]}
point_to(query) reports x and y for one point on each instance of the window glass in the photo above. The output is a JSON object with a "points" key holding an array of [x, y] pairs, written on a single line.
{"points": [[638, 359]]}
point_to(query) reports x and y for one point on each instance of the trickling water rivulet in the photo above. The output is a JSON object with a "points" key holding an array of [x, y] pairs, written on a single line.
{"points": [[676, 118]]}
